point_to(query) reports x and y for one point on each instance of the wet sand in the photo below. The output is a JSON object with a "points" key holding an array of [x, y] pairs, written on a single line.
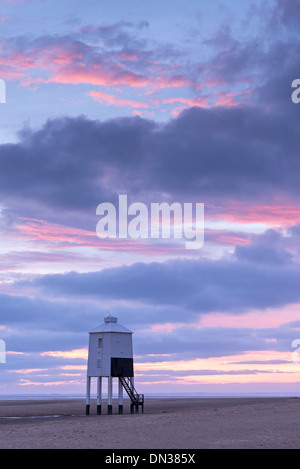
{"points": [[187, 423]]}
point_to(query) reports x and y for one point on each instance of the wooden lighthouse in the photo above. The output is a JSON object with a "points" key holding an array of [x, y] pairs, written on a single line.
{"points": [[111, 356]]}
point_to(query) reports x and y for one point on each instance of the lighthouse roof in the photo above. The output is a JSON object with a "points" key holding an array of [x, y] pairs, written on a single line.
{"points": [[111, 325]]}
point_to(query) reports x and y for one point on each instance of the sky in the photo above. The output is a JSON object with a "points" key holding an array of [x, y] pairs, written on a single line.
{"points": [[165, 102]]}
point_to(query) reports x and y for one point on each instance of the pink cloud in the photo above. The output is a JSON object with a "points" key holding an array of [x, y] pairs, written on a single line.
{"points": [[232, 99], [73, 367], [232, 368], [26, 382], [112, 100], [75, 353], [131, 56], [108, 75], [283, 214], [53, 236], [45, 231], [68, 61], [271, 318], [165, 327], [200, 101], [27, 371], [226, 237], [217, 98]]}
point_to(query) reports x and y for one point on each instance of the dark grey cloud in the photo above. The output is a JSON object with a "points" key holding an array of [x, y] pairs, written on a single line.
{"points": [[188, 342], [35, 326], [66, 163], [286, 13], [23, 311], [198, 286], [120, 35], [270, 248], [261, 254], [76, 163]]}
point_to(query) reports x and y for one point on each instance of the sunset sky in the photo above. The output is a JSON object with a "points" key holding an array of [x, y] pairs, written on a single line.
{"points": [[164, 101]]}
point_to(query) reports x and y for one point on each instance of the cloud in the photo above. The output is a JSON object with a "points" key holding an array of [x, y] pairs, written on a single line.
{"points": [[56, 333], [191, 287], [76, 163], [121, 34], [110, 55], [55, 319], [109, 99], [265, 249], [233, 70], [287, 13]]}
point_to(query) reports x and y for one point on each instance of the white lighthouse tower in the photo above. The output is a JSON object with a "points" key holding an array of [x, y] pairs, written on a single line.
{"points": [[111, 356]]}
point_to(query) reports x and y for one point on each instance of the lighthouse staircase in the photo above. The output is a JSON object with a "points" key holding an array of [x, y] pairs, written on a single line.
{"points": [[136, 399]]}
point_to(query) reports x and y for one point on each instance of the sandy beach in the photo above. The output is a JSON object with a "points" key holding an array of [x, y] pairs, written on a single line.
{"points": [[189, 423]]}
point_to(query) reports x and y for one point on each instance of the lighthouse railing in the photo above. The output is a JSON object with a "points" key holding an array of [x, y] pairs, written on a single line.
{"points": [[136, 398]]}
